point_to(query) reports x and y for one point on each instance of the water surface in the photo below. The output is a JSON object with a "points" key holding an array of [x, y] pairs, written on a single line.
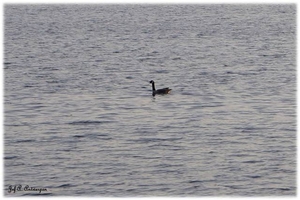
{"points": [[80, 119]]}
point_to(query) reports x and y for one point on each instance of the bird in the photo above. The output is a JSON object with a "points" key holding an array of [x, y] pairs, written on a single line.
{"points": [[159, 91]]}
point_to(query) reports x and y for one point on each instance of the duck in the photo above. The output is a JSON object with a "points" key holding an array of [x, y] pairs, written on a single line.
{"points": [[159, 91]]}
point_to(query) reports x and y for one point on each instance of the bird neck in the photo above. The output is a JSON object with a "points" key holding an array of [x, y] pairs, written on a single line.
{"points": [[153, 86]]}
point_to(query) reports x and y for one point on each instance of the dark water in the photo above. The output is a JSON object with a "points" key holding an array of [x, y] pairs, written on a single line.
{"points": [[80, 119]]}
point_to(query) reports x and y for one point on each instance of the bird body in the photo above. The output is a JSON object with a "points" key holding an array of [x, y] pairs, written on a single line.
{"points": [[159, 91]]}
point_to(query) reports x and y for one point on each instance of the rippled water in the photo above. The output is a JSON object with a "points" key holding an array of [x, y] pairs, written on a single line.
{"points": [[80, 118]]}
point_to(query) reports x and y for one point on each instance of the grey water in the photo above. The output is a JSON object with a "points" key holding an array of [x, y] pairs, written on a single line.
{"points": [[80, 119]]}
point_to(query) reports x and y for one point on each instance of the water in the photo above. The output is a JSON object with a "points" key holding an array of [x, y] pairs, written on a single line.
{"points": [[80, 119]]}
